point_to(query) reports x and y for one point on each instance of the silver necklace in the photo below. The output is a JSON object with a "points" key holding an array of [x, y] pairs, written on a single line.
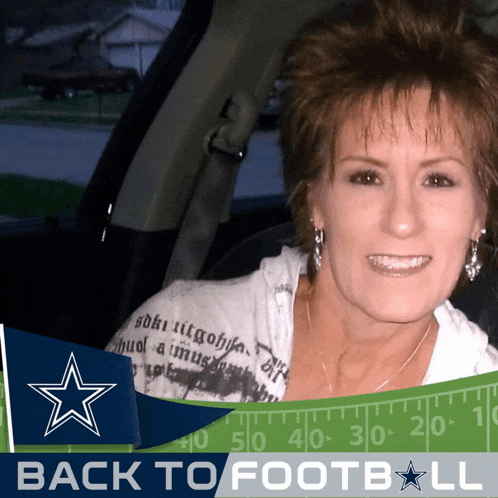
{"points": [[379, 387]]}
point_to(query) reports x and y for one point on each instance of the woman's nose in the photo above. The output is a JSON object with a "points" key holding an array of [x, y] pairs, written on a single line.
{"points": [[402, 216]]}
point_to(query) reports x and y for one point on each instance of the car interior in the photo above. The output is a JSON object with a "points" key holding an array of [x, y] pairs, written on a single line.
{"points": [[159, 205]]}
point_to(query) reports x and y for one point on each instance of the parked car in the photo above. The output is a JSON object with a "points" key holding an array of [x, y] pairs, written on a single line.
{"points": [[81, 73], [159, 204]]}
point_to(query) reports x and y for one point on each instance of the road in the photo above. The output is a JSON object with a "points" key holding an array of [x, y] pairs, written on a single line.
{"points": [[50, 152], [71, 154]]}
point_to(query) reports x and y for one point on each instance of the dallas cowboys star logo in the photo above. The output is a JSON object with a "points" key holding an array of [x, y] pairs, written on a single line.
{"points": [[72, 398], [411, 477]]}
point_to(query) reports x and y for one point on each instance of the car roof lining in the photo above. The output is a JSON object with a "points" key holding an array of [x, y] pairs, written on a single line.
{"points": [[242, 48]]}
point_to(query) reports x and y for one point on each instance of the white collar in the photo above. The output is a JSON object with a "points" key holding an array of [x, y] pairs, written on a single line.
{"points": [[460, 344]]}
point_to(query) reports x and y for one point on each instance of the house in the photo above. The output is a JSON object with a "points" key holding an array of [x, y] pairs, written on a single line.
{"points": [[51, 45], [134, 37]]}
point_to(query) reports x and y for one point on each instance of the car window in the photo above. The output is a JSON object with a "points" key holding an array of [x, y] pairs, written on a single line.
{"points": [[53, 130], [260, 173]]}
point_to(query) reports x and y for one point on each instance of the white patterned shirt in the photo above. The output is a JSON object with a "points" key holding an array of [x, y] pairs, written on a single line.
{"points": [[231, 340]]}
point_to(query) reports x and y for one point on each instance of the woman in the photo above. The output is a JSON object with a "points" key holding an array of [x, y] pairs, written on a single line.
{"points": [[391, 172]]}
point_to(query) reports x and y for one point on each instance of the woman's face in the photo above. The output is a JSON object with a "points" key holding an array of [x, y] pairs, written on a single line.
{"points": [[398, 215]]}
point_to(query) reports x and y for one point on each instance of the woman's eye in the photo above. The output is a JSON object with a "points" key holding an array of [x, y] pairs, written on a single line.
{"points": [[439, 180], [365, 178]]}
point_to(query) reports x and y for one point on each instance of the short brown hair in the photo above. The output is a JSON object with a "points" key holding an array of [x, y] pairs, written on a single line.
{"points": [[390, 45]]}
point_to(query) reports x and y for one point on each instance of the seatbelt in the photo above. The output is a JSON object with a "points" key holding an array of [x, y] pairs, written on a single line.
{"points": [[226, 148]]}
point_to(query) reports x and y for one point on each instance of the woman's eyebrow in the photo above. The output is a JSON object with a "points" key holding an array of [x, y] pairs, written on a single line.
{"points": [[430, 162], [382, 164], [365, 159]]}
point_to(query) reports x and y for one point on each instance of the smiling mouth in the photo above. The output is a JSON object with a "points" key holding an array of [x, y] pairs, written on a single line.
{"points": [[397, 265]]}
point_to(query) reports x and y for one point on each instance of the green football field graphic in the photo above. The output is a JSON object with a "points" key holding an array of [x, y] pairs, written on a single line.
{"points": [[455, 416]]}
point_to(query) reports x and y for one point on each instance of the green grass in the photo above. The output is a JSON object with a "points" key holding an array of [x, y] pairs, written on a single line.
{"points": [[15, 92], [26, 196], [110, 103], [10, 115]]}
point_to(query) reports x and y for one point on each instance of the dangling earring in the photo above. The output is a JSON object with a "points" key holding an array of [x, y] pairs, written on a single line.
{"points": [[474, 267], [317, 248]]}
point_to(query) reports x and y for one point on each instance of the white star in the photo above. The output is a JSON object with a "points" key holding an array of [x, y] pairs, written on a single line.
{"points": [[56, 419]]}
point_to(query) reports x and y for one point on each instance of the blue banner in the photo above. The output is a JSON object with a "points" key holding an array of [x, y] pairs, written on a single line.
{"points": [[63, 393]]}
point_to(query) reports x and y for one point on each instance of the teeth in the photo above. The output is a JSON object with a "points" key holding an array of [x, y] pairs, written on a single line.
{"points": [[391, 262]]}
